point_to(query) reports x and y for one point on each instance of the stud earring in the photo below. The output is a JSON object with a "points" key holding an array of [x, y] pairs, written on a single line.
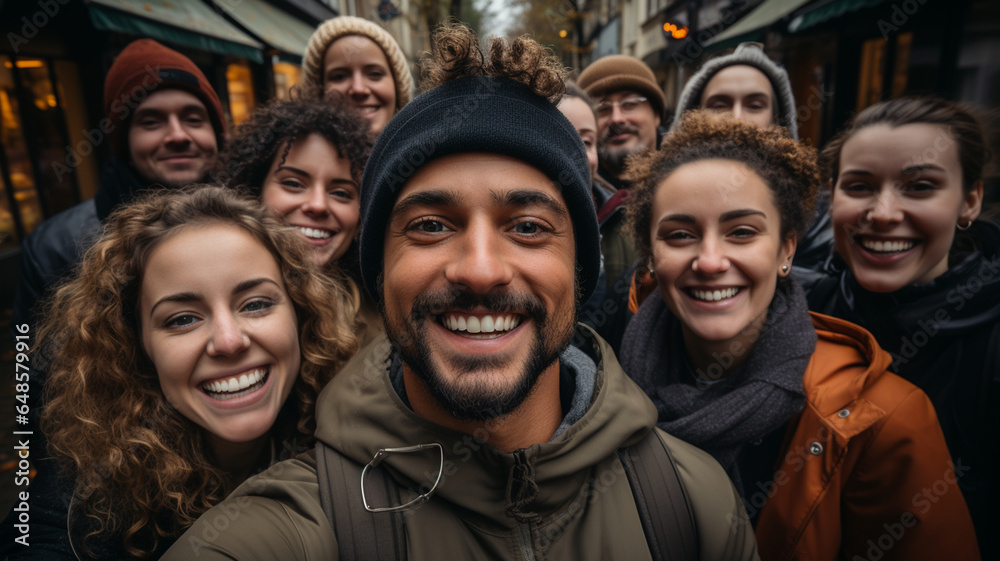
{"points": [[784, 268]]}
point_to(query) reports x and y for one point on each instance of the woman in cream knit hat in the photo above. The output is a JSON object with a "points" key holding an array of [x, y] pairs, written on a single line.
{"points": [[362, 61]]}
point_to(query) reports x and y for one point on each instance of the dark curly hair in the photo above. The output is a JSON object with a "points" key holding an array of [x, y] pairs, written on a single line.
{"points": [[142, 469], [787, 167], [458, 55], [278, 125]]}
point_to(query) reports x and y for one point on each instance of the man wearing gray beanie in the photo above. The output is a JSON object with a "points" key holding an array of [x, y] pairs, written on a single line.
{"points": [[475, 430], [751, 87], [746, 84]]}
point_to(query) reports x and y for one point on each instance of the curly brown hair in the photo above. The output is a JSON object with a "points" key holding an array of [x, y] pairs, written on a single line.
{"points": [[271, 130], [787, 167], [141, 468], [458, 55]]}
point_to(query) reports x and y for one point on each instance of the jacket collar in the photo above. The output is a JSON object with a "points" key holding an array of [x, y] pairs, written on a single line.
{"points": [[359, 413], [847, 360]]}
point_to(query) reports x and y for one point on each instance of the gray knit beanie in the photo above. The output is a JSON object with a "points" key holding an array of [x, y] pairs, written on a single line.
{"points": [[478, 114], [335, 28], [750, 54]]}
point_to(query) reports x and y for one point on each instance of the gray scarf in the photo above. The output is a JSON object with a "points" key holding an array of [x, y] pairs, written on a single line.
{"points": [[757, 399]]}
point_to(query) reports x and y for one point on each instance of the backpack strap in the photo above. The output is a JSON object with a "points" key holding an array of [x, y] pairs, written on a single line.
{"points": [[663, 505], [361, 535]]}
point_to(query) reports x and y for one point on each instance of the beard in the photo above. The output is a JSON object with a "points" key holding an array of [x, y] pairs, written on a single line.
{"points": [[613, 158], [478, 389]]}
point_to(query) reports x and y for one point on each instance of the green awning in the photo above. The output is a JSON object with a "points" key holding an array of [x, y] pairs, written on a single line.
{"points": [[749, 27], [272, 26], [828, 11], [191, 23]]}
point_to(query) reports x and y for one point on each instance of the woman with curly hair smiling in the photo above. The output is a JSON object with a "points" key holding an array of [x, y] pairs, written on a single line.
{"points": [[303, 159], [188, 351], [826, 447]]}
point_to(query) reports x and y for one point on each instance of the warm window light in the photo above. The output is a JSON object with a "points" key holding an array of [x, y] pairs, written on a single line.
{"points": [[29, 64], [674, 31], [563, 33]]}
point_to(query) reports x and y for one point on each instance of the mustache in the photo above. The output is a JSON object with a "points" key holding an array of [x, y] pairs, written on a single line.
{"points": [[614, 129], [501, 302]]}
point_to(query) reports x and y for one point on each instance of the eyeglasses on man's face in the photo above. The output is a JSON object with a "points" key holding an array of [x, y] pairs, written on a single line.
{"points": [[627, 105]]}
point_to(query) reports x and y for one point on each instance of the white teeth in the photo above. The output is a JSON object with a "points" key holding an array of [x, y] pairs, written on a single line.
{"points": [[235, 384], [315, 233], [485, 324], [714, 295], [886, 247]]}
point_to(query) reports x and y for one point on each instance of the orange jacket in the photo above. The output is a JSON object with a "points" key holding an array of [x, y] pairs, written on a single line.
{"points": [[865, 473]]}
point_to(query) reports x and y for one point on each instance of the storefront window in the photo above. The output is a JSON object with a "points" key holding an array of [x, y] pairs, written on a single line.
{"points": [[871, 76], [241, 99], [19, 179], [80, 155], [286, 76], [44, 118], [8, 228]]}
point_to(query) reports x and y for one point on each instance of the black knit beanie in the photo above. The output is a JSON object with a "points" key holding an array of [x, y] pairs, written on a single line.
{"points": [[478, 114]]}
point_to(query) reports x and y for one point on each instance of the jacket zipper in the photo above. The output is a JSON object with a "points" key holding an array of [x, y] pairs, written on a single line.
{"points": [[527, 551], [524, 529]]}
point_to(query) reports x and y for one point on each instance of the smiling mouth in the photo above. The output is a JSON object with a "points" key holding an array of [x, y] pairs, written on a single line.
{"points": [[713, 295], [236, 386], [315, 233], [482, 327], [887, 247]]}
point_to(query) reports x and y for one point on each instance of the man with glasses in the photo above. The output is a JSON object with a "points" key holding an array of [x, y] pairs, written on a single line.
{"points": [[629, 107]]}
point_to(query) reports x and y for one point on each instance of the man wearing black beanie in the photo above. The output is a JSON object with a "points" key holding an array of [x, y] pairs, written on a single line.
{"points": [[475, 430]]}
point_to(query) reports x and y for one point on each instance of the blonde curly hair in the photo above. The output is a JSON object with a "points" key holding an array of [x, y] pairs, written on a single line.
{"points": [[141, 468], [786, 166]]}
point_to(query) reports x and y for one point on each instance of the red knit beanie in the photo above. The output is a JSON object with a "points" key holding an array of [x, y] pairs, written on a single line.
{"points": [[142, 68]]}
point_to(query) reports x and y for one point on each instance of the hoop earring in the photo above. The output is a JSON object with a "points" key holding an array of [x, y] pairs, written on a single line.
{"points": [[966, 227]]}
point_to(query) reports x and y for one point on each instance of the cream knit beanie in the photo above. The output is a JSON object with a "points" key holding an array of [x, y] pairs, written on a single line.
{"points": [[335, 28]]}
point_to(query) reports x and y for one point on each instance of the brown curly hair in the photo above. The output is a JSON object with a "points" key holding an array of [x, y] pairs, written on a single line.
{"points": [[458, 55], [787, 167], [279, 124], [142, 469]]}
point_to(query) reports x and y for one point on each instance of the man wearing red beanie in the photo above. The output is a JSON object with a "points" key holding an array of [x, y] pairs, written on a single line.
{"points": [[165, 125]]}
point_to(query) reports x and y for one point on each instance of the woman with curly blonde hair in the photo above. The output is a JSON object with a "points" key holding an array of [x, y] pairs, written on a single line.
{"points": [[825, 446], [188, 351]]}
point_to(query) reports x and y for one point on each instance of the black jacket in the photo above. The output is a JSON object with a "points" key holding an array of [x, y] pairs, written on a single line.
{"points": [[50, 253], [944, 337]]}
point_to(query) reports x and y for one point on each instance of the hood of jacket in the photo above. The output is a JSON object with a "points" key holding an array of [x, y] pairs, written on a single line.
{"points": [[964, 298], [841, 347], [359, 413]]}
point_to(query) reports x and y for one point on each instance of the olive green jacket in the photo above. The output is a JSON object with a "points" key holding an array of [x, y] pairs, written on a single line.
{"points": [[581, 509]]}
